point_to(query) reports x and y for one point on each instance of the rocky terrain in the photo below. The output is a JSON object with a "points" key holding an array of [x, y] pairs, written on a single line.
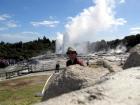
{"points": [[73, 78], [121, 88], [103, 82], [109, 79]]}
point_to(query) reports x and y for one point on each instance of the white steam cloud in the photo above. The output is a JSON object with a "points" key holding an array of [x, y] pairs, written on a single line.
{"points": [[97, 18], [100, 17], [59, 43]]}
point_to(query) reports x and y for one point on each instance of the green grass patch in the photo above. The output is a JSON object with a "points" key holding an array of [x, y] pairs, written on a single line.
{"points": [[21, 91]]}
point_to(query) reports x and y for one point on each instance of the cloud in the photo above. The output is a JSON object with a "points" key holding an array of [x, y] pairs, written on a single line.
{"points": [[46, 23], [11, 24], [92, 20], [122, 1], [4, 17], [3, 28], [30, 33], [134, 30], [7, 23], [21, 36]]}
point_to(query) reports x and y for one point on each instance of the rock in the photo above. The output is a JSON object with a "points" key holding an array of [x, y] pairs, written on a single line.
{"points": [[122, 90], [107, 65], [133, 60], [135, 49], [112, 67], [73, 78]]}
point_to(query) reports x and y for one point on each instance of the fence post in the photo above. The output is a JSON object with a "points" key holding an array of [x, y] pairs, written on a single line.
{"points": [[7, 75]]}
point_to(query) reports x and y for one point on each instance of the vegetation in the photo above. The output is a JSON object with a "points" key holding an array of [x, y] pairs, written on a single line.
{"points": [[101, 46], [21, 91], [26, 50], [128, 41], [19, 51], [131, 41]]}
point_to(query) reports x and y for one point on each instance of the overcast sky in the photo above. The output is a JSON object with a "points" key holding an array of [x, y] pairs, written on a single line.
{"points": [[26, 20]]}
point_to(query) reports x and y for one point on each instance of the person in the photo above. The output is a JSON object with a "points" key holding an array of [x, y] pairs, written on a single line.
{"points": [[57, 67], [72, 54], [3, 62], [87, 62]]}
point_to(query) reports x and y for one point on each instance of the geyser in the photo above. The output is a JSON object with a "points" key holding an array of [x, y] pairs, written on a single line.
{"points": [[63, 42]]}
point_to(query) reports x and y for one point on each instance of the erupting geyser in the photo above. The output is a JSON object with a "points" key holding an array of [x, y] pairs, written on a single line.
{"points": [[97, 19], [63, 42]]}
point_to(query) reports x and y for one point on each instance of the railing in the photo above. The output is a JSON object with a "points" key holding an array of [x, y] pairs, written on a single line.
{"points": [[16, 72], [21, 71]]}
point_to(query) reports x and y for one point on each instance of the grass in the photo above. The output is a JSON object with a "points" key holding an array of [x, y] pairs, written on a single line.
{"points": [[21, 91]]}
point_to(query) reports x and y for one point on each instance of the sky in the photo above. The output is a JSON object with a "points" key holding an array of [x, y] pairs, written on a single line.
{"points": [[82, 20]]}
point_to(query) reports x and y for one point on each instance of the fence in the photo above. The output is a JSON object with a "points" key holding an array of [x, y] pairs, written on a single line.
{"points": [[16, 72], [23, 70]]}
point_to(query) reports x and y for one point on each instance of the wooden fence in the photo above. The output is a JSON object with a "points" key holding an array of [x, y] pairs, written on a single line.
{"points": [[21, 71], [16, 72]]}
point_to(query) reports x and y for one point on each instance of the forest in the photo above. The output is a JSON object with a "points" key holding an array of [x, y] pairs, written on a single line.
{"points": [[19, 51]]}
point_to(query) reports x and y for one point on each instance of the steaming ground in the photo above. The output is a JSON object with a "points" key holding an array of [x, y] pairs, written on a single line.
{"points": [[115, 90], [42, 63], [119, 87], [38, 64]]}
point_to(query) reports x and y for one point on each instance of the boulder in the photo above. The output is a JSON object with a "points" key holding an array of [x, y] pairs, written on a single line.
{"points": [[133, 60], [111, 66], [135, 49], [122, 88], [73, 78]]}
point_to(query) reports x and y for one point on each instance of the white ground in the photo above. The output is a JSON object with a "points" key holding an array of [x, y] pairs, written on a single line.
{"points": [[122, 88]]}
